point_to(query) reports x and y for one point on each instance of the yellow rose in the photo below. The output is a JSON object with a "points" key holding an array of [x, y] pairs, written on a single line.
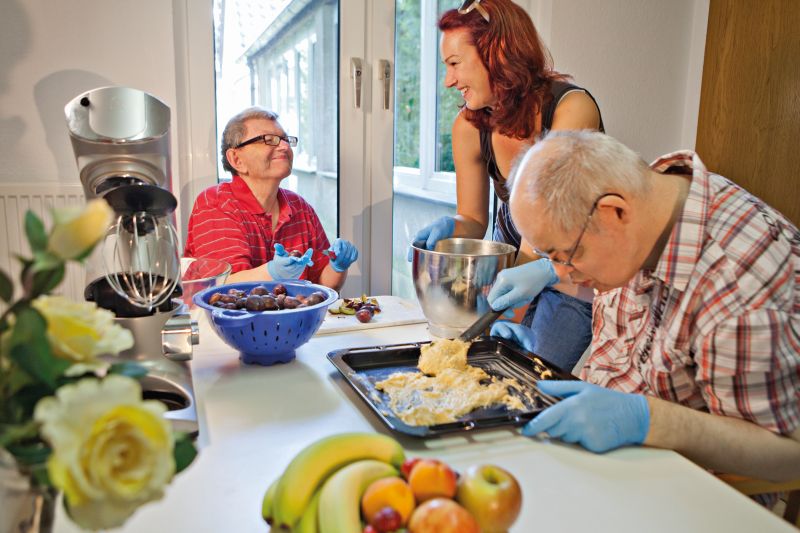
{"points": [[112, 452], [81, 331], [76, 230]]}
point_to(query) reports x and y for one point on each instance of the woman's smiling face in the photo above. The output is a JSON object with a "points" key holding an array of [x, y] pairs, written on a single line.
{"points": [[465, 70]]}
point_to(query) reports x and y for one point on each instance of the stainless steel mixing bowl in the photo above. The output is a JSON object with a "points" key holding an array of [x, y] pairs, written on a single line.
{"points": [[452, 281]]}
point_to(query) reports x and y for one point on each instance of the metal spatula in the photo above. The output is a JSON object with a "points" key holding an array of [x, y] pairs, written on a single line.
{"points": [[480, 325]]}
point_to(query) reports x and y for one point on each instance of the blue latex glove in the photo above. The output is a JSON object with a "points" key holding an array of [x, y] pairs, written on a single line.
{"points": [[518, 286], [427, 237], [597, 418], [285, 266], [516, 333], [346, 255], [485, 272]]}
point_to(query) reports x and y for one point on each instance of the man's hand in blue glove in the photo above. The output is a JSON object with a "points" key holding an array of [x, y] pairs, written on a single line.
{"points": [[344, 254], [427, 237], [597, 418], [516, 333], [518, 286], [286, 266]]}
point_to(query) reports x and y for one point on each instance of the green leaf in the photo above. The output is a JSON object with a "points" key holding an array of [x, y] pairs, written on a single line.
{"points": [[34, 229], [33, 452], [25, 399], [44, 261], [6, 287], [184, 452], [128, 368], [46, 280], [30, 349], [11, 433]]}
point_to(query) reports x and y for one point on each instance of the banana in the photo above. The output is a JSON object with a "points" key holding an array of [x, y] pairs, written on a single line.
{"points": [[267, 504], [308, 523], [316, 462], [340, 496]]}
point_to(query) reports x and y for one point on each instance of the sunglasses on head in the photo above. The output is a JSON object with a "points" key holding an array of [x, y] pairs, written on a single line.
{"points": [[469, 5]]}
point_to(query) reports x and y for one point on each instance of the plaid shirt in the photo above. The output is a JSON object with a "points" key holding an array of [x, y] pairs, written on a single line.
{"points": [[228, 223], [716, 325]]}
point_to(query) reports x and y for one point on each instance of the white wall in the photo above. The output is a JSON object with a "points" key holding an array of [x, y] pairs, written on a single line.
{"points": [[54, 50], [641, 59]]}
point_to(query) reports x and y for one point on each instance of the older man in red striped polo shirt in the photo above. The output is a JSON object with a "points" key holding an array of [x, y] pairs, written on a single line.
{"points": [[696, 319], [263, 231]]}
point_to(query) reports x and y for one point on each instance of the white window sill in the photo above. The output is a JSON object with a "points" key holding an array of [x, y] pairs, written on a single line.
{"points": [[426, 195]]}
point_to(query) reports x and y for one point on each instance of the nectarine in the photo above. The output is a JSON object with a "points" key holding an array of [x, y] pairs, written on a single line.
{"points": [[387, 492], [430, 479]]}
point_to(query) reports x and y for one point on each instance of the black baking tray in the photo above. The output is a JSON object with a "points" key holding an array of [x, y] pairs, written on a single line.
{"points": [[365, 366]]}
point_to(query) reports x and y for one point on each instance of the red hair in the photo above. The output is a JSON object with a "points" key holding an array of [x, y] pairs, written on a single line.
{"points": [[519, 65]]}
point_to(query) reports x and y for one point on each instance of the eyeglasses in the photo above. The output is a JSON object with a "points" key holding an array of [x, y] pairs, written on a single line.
{"points": [[574, 248], [270, 140], [469, 5]]}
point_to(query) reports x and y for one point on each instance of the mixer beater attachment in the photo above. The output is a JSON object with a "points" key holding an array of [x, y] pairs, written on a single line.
{"points": [[141, 249]]}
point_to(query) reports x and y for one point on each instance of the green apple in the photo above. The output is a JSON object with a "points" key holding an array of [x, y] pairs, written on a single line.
{"points": [[492, 495]]}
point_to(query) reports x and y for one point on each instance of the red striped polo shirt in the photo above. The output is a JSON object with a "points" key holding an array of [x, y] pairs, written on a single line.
{"points": [[716, 325], [229, 224]]}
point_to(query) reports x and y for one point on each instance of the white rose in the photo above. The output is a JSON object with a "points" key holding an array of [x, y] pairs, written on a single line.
{"points": [[77, 230], [81, 331], [112, 452]]}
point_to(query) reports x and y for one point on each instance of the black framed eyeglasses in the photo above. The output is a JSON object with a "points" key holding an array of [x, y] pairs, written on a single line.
{"points": [[469, 5], [270, 139], [574, 248]]}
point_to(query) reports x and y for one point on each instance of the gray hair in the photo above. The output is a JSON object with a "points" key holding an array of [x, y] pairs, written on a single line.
{"points": [[233, 134], [569, 170]]}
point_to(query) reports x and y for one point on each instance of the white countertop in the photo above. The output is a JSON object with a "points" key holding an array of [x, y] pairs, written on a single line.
{"points": [[253, 420]]}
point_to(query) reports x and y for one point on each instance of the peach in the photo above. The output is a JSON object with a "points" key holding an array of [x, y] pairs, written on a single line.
{"points": [[441, 515], [408, 465], [430, 479], [387, 492]]}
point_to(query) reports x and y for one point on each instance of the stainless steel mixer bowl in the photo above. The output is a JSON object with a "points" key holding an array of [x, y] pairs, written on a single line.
{"points": [[452, 281]]}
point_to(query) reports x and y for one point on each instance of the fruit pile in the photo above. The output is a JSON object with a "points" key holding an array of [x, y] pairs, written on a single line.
{"points": [[362, 483], [364, 308], [261, 298]]}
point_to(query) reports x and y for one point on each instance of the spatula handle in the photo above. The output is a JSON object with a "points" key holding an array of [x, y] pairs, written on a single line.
{"points": [[480, 325]]}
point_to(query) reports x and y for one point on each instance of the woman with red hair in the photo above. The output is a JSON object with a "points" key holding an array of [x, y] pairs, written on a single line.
{"points": [[512, 95]]}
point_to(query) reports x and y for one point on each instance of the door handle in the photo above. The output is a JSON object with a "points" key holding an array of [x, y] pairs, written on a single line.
{"points": [[385, 75], [356, 71]]}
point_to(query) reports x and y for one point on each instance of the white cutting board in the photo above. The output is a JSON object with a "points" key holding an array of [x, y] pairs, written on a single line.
{"points": [[395, 311]]}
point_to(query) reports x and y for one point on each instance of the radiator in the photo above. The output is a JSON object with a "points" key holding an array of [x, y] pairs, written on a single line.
{"points": [[15, 201]]}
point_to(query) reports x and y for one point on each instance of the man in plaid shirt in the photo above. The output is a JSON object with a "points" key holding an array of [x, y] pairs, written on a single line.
{"points": [[696, 318], [263, 231]]}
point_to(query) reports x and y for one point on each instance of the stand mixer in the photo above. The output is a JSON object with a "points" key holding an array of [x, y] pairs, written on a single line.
{"points": [[120, 137]]}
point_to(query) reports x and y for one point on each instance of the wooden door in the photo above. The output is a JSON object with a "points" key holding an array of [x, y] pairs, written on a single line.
{"points": [[749, 124]]}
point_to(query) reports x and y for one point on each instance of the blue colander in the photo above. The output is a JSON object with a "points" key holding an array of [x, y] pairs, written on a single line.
{"points": [[266, 337]]}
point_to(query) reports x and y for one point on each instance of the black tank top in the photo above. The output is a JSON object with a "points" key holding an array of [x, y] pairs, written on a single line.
{"points": [[557, 91]]}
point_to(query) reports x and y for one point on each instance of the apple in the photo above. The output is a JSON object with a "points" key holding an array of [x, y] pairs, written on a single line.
{"points": [[492, 495], [441, 515]]}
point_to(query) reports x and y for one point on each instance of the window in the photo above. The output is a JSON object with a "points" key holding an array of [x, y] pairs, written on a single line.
{"points": [[282, 55], [424, 175]]}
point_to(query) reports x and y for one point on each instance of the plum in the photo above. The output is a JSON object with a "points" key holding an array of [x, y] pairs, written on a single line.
{"points": [[364, 315]]}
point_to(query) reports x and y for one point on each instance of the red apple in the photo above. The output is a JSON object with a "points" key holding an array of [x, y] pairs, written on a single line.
{"points": [[441, 515], [492, 495]]}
